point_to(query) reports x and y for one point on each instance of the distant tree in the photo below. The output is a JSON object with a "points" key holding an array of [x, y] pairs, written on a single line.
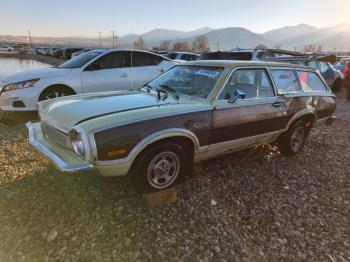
{"points": [[165, 45], [261, 46], [200, 44], [139, 44], [181, 46], [311, 48]]}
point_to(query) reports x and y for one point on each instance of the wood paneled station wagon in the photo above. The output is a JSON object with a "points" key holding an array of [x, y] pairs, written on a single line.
{"points": [[195, 111]]}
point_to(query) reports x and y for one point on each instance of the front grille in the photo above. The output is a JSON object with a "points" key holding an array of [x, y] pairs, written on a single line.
{"points": [[56, 135]]}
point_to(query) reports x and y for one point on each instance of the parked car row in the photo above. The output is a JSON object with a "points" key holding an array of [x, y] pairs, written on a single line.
{"points": [[63, 53]]}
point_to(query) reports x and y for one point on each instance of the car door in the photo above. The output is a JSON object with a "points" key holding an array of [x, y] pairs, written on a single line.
{"points": [[257, 118], [145, 67], [110, 72]]}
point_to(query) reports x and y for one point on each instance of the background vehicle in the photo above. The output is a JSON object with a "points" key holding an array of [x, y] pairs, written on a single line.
{"points": [[183, 56], [247, 54], [79, 52], [67, 53], [93, 71], [6, 48], [193, 112], [58, 53]]}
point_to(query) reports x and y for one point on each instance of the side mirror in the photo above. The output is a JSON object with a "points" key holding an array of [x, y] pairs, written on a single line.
{"points": [[238, 94], [95, 67]]}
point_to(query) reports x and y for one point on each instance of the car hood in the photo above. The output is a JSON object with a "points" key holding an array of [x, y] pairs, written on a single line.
{"points": [[65, 113], [36, 73]]}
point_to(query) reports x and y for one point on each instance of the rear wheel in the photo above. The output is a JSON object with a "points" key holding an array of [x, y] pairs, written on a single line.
{"points": [[293, 140], [160, 167], [55, 92]]}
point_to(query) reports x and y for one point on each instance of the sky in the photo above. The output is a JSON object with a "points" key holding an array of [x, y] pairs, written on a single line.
{"points": [[87, 17]]}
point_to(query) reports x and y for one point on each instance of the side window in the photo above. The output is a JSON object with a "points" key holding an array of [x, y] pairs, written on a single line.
{"points": [[310, 81], [113, 60], [286, 80], [255, 83], [145, 59]]}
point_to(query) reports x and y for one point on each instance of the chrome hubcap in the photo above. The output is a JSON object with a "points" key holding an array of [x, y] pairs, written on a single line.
{"points": [[163, 170], [297, 138]]}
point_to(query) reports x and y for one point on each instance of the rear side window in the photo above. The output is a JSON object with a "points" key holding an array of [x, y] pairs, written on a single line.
{"points": [[286, 80], [113, 60], [310, 81], [145, 59]]}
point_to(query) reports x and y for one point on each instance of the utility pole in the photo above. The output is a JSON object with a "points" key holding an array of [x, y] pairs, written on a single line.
{"points": [[217, 46], [99, 35], [29, 39], [116, 41], [113, 38]]}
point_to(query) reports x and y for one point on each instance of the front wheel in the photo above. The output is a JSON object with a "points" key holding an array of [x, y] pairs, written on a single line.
{"points": [[160, 167], [293, 140], [55, 92]]}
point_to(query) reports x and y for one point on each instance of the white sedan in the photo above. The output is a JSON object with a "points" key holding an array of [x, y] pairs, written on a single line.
{"points": [[93, 71]]}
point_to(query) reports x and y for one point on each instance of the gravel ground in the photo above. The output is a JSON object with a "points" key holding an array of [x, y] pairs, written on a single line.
{"points": [[255, 205]]}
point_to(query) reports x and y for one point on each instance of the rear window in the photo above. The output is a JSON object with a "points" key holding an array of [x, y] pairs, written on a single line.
{"points": [[310, 81], [286, 80]]}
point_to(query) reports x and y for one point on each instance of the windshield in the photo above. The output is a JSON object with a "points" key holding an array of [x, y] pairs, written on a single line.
{"points": [[80, 60], [195, 81]]}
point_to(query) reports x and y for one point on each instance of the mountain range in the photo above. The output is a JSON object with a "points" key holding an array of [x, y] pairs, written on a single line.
{"points": [[290, 37]]}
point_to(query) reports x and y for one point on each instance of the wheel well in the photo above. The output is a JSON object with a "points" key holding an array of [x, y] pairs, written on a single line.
{"points": [[64, 87], [308, 118], [186, 142]]}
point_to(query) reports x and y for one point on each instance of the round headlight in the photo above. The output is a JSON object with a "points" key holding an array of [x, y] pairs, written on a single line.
{"points": [[77, 143]]}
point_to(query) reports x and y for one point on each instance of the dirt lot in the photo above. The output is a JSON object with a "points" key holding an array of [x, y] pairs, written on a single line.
{"points": [[269, 207]]}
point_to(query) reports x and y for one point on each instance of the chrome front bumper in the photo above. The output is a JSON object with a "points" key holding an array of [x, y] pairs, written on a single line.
{"points": [[64, 159]]}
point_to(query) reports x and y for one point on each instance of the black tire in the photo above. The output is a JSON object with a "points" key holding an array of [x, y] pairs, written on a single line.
{"points": [[169, 158], [337, 85], [55, 91], [291, 142]]}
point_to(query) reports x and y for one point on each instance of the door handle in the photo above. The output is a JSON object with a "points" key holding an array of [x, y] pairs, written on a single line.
{"points": [[124, 75], [161, 70], [277, 104]]}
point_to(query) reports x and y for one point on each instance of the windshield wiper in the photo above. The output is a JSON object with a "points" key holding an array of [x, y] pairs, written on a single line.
{"points": [[171, 90]]}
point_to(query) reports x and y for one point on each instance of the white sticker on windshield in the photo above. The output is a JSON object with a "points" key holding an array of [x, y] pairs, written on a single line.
{"points": [[209, 73]]}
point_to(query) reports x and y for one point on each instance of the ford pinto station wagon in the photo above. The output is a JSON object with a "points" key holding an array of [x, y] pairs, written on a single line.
{"points": [[195, 111]]}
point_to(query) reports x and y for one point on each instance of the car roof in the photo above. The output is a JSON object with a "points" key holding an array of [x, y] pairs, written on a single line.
{"points": [[181, 52], [105, 51], [236, 63]]}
